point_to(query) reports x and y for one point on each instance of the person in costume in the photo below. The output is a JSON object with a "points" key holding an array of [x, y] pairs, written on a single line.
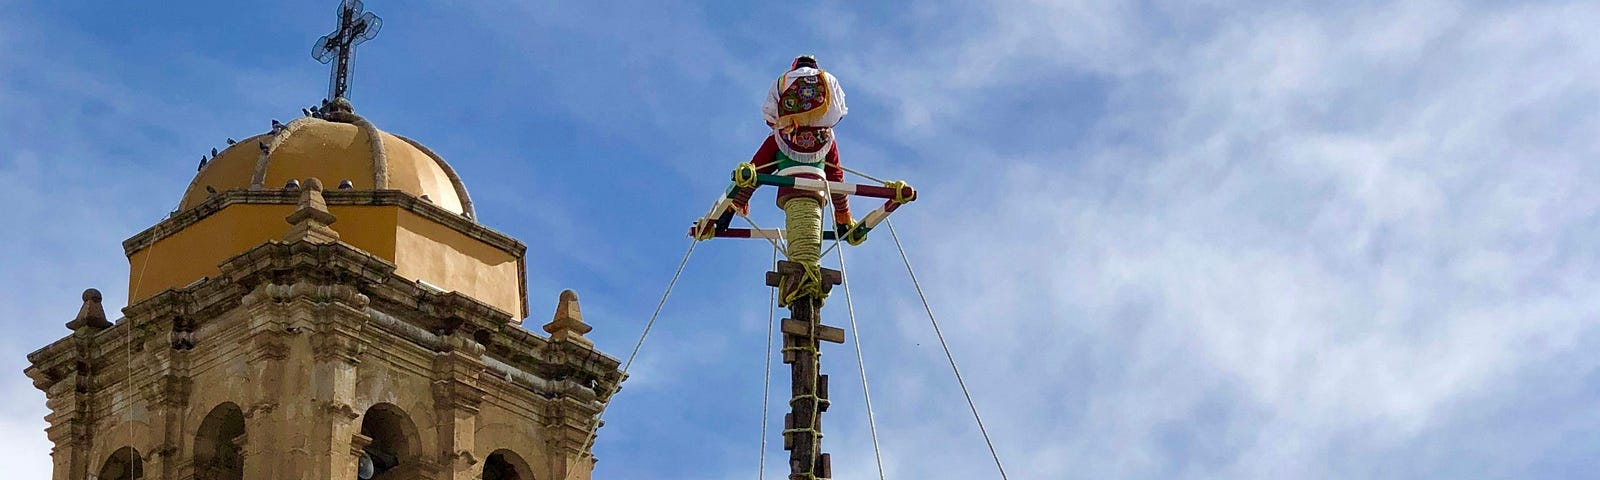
{"points": [[802, 107]]}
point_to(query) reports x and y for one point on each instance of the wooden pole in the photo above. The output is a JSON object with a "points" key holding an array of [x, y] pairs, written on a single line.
{"points": [[803, 333]]}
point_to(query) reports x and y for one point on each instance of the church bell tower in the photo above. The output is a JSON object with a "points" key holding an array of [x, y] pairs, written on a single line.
{"points": [[323, 305]]}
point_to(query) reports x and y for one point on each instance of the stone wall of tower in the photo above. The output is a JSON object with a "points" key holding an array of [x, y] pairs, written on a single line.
{"points": [[308, 341]]}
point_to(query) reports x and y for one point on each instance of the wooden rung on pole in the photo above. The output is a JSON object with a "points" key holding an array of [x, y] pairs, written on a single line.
{"points": [[822, 393], [788, 355], [785, 267], [788, 439], [824, 332]]}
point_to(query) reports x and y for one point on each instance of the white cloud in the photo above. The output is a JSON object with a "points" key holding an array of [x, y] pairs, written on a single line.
{"points": [[1344, 224]]}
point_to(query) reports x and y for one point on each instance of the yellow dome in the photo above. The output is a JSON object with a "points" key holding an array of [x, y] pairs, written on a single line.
{"points": [[333, 151]]}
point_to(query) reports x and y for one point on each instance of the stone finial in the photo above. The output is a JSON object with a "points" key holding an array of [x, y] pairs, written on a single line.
{"points": [[93, 314], [312, 218], [568, 322], [340, 110]]}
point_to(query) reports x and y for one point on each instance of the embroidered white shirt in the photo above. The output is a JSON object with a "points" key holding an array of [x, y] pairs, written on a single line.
{"points": [[836, 106]]}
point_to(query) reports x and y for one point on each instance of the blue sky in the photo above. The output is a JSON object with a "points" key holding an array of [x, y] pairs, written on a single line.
{"points": [[1185, 240]]}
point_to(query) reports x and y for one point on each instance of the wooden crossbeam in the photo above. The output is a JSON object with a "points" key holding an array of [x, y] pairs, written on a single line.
{"points": [[766, 233], [814, 185], [824, 332]]}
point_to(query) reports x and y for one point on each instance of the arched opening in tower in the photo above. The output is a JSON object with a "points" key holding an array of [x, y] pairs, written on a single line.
{"points": [[505, 465], [217, 444], [124, 464], [393, 442]]}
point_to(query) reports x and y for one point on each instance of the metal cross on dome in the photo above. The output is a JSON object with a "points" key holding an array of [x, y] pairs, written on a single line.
{"points": [[355, 27]]}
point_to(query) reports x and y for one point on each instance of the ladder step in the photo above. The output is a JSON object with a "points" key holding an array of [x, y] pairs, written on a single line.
{"points": [[824, 332], [822, 394]]}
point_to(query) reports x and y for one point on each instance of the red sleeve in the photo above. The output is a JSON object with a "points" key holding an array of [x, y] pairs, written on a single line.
{"points": [[765, 161], [766, 157]]}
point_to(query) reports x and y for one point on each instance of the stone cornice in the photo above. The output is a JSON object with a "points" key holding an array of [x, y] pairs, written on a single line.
{"points": [[278, 275], [55, 362], [397, 198], [558, 361], [439, 314], [321, 272]]}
